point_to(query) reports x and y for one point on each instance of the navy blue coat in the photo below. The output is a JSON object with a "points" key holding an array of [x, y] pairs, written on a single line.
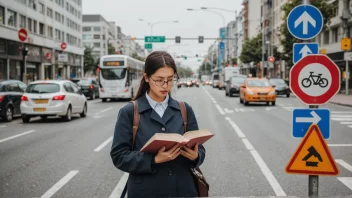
{"points": [[147, 179]]}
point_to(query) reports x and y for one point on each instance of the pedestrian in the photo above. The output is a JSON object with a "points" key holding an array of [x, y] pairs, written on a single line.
{"points": [[166, 173]]}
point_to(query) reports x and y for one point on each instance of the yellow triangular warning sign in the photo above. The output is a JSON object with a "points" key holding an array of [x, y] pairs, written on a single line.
{"points": [[312, 156]]}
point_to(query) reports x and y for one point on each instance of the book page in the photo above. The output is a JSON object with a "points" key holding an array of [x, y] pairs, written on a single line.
{"points": [[199, 133], [164, 137]]}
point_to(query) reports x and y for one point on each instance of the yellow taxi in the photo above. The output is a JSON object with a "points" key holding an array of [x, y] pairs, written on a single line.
{"points": [[257, 90]]}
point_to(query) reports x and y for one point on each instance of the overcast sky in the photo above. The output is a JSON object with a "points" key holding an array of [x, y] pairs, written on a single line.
{"points": [[126, 14]]}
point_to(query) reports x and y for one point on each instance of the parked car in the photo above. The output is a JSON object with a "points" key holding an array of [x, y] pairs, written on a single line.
{"points": [[233, 85], [281, 87], [257, 90], [88, 86], [11, 92], [53, 98]]}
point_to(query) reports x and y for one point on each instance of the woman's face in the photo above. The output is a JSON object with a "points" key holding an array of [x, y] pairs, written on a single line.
{"points": [[161, 82]]}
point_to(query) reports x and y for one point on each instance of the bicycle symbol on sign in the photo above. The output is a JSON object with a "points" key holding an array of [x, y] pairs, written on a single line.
{"points": [[316, 80]]}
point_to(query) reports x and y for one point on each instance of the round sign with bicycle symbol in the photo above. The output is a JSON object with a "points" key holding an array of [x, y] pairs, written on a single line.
{"points": [[315, 79]]}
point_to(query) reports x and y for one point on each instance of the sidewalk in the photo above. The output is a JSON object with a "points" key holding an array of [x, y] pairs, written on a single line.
{"points": [[340, 99]]}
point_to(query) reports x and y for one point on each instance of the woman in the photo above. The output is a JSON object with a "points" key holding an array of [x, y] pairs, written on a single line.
{"points": [[166, 173]]}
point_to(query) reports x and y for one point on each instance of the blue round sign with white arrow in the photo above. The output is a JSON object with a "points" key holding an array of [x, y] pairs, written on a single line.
{"points": [[305, 22]]}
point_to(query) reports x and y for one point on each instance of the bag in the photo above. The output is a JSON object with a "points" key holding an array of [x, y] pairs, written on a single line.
{"points": [[199, 180]]}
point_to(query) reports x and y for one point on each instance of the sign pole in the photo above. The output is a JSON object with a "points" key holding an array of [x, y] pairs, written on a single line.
{"points": [[313, 180]]}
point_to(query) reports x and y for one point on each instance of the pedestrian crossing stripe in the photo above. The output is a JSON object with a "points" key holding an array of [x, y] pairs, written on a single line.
{"points": [[312, 156]]}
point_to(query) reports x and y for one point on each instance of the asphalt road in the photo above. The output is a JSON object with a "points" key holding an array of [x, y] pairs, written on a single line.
{"points": [[246, 157]]}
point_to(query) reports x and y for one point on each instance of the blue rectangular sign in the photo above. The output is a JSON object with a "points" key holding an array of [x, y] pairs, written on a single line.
{"points": [[223, 33], [301, 50], [303, 118]]}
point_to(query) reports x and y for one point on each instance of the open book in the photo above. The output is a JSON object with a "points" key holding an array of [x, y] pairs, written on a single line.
{"points": [[190, 139]]}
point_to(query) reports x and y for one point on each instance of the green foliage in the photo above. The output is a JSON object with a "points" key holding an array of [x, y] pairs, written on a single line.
{"points": [[205, 68], [88, 59], [252, 50], [184, 72], [328, 11], [111, 49], [135, 56]]}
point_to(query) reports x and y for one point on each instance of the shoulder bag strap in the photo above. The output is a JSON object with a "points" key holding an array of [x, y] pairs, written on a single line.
{"points": [[184, 114]]}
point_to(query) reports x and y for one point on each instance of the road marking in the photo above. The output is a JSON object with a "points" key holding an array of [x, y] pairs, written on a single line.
{"points": [[59, 184], [228, 110], [15, 136], [344, 164], [260, 162], [116, 193], [98, 116], [347, 181], [342, 119], [101, 146], [340, 145], [2, 126], [345, 122], [236, 128], [219, 109], [107, 109], [350, 126], [341, 111], [270, 108], [341, 116]]}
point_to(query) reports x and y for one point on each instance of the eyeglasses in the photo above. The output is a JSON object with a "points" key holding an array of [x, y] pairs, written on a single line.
{"points": [[169, 83]]}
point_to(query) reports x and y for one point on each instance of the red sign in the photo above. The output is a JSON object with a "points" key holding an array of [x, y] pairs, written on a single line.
{"points": [[22, 34], [63, 45], [271, 59], [315, 79], [48, 55]]}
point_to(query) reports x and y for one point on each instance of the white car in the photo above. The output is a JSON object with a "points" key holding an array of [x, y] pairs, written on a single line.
{"points": [[52, 98]]}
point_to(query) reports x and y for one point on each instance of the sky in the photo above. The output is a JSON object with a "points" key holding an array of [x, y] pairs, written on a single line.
{"points": [[126, 14]]}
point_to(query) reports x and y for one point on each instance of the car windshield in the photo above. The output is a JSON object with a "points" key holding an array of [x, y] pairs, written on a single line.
{"points": [[238, 80], [84, 82], [114, 74], [258, 83], [43, 88], [216, 77], [277, 82]]}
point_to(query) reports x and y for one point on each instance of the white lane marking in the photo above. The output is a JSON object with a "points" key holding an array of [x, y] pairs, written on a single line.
{"points": [[347, 181], [341, 116], [345, 122], [350, 126], [236, 128], [341, 111], [342, 119], [344, 164], [101, 146], [116, 193], [270, 108], [247, 144], [2, 126], [268, 174], [228, 110], [59, 184], [263, 167], [220, 109], [15, 136], [107, 109], [340, 145], [98, 116]]}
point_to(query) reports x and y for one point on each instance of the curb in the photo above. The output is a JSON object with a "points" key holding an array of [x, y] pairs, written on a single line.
{"points": [[332, 102]]}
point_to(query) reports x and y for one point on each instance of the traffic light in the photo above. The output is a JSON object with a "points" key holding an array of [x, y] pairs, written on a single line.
{"points": [[25, 51], [201, 39], [178, 39]]}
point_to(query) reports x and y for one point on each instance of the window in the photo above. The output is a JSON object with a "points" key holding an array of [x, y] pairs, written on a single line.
{"points": [[49, 12], [67, 6], [326, 37], [87, 29], [2, 15], [41, 29], [22, 21], [12, 18], [57, 35], [13, 87], [34, 26], [41, 8], [96, 29], [32, 4], [75, 88], [29, 21], [96, 44], [50, 32], [335, 35], [57, 17], [22, 86], [68, 87], [79, 14], [63, 19], [336, 10], [43, 88], [96, 36], [23, 1], [63, 36]]}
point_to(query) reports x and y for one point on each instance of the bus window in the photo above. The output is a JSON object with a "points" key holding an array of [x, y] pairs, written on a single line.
{"points": [[113, 74]]}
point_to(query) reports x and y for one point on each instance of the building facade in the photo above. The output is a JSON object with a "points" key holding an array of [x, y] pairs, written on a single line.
{"points": [[49, 24]]}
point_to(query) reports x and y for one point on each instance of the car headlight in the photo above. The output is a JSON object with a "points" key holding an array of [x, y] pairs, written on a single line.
{"points": [[272, 93], [286, 87], [250, 92]]}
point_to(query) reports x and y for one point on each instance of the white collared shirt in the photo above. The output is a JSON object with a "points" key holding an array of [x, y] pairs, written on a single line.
{"points": [[159, 108]]}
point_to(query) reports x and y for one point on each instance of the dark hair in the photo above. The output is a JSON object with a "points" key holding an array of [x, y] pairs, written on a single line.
{"points": [[155, 61]]}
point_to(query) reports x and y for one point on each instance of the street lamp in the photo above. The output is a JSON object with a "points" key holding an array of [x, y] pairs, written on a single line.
{"points": [[158, 22]]}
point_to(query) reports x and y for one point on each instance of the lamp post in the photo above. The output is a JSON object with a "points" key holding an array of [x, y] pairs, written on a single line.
{"points": [[158, 22]]}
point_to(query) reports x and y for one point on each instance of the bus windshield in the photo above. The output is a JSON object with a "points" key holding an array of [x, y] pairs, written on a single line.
{"points": [[114, 73]]}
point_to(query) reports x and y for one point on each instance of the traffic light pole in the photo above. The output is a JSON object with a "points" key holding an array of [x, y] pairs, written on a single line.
{"points": [[23, 68], [346, 15]]}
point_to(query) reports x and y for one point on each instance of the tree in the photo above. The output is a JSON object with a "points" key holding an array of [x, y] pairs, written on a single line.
{"points": [[135, 56], [88, 59], [184, 72], [252, 50], [205, 68], [111, 49], [287, 41]]}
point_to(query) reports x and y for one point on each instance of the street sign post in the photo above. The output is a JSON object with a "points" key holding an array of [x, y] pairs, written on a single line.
{"points": [[148, 46], [154, 39], [304, 118], [312, 156], [301, 50], [315, 79], [22, 34], [271, 59], [305, 22], [63, 45]]}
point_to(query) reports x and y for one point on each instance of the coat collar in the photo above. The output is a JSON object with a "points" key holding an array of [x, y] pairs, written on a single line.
{"points": [[144, 105]]}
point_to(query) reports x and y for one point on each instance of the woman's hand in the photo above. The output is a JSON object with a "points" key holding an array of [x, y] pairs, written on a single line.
{"points": [[191, 154], [165, 156]]}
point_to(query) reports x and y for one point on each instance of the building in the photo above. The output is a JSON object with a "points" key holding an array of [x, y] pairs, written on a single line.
{"points": [[213, 51], [49, 24], [230, 43], [252, 16], [239, 36], [97, 33]]}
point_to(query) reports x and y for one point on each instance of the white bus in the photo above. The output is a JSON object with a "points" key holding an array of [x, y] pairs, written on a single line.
{"points": [[119, 76]]}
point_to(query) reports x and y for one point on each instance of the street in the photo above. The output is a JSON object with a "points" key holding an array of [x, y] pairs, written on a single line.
{"points": [[247, 156]]}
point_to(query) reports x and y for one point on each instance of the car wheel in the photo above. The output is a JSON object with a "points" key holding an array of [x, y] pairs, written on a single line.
{"points": [[84, 112], [92, 97], [273, 103], [25, 119], [245, 102], [68, 115], [267, 103], [44, 117], [288, 95], [226, 93], [103, 99], [241, 101], [9, 114]]}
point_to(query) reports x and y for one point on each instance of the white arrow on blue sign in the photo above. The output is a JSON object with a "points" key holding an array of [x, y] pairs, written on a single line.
{"points": [[303, 118], [305, 22], [301, 50]]}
